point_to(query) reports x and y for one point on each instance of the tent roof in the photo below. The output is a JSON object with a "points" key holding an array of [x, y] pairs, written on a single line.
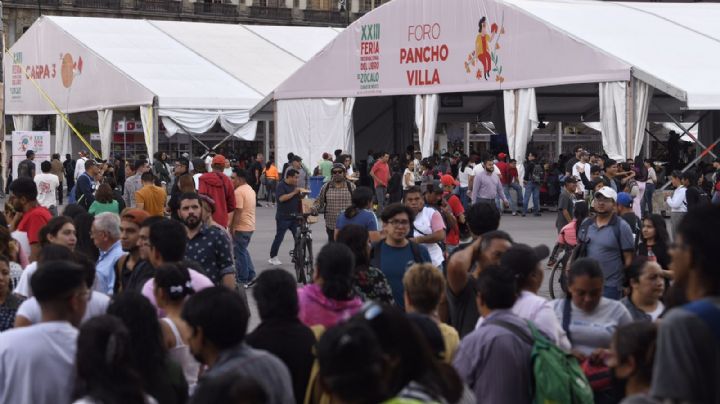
{"points": [[184, 65], [673, 47]]}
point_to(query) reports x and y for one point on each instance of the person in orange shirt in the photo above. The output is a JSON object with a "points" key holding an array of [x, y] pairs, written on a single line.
{"points": [[271, 178], [150, 197], [242, 226]]}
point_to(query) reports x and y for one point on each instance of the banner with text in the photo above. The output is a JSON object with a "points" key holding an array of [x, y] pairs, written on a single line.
{"points": [[23, 141], [439, 46]]}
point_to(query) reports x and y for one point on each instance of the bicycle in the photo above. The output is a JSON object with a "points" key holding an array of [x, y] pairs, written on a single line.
{"points": [[302, 254], [558, 274]]}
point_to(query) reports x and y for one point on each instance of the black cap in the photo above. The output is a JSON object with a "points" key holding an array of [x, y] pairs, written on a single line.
{"points": [[522, 259], [297, 158]]}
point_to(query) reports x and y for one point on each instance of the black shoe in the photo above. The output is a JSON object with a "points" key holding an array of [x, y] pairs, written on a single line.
{"points": [[537, 214], [250, 284]]}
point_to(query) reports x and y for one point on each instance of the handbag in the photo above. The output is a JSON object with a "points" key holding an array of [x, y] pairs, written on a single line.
{"points": [[599, 376]]}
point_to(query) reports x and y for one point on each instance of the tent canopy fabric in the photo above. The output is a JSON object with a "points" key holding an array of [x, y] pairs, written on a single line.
{"points": [[434, 46], [88, 64]]}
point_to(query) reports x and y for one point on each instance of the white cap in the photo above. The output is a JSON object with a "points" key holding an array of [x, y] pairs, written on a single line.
{"points": [[607, 192]]}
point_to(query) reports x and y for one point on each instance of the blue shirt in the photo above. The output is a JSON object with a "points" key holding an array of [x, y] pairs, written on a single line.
{"points": [[364, 218], [105, 269], [292, 205], [607, 245], [394, 262]]}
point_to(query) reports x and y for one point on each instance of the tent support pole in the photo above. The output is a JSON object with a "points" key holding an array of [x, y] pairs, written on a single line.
{"points": [[687, 131], [559, 139], [467, 138], [222, 141], [193, 136], [266, 149], [706, 151]]}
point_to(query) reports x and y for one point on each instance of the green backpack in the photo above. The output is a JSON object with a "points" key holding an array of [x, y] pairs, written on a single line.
{"points": [[557, 377]]}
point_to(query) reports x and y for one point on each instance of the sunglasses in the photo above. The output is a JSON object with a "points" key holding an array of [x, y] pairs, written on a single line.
{"points": [[338, 172]]}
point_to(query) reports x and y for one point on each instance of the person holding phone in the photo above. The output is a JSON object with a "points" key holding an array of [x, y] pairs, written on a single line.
{"points": [[289, 203]]}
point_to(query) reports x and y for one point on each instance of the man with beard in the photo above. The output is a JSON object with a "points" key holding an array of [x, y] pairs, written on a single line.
{"points": [[131, 271], [159, 247], [208, 246], [486, 186]]}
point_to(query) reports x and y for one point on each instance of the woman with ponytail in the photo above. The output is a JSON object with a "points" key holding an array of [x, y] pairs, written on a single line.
{"points": [[104, 370], [360, 213], [172, 287]]}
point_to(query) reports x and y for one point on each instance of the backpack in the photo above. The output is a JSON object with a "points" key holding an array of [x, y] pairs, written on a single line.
{"points": [[376, 256], [703, 198], [538, 173], [24, 169], [580, 250], [556, 375], [323, 193]]}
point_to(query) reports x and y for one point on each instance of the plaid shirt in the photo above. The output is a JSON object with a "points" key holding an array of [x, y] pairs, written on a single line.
{"points": [[335, 199]]}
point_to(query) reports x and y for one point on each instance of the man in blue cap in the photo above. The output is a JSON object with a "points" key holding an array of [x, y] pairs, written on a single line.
{"points": [[625, 210]]}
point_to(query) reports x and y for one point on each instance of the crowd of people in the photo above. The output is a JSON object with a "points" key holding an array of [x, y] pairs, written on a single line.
{"points": [[136, 291]]}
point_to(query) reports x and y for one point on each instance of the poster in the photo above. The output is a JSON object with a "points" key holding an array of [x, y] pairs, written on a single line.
{"points": [[22, 141]]}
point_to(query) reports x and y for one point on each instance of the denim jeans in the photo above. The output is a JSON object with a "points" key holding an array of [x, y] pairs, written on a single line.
{"points": [[518, 190], [612, 292], [282, 225], [464, 198], [532, 189], [244, 269], [646, 205], [380, 196]]}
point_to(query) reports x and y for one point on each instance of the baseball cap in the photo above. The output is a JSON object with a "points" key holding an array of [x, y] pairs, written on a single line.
{"points": [[134, 215], [447, 180], [624, 199], [607, 192], [338, 166], [522, 259], [297, 158], [219, 159], [501, 155]]}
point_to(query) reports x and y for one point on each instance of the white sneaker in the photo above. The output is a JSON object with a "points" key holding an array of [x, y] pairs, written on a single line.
{"points": [[275, 261]]}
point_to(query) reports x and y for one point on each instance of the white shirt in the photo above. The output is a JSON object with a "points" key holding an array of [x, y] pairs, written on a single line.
{"points": [[405, 182], [576, 173], [80, 167], [540, 311], [655, 314], [37, 363], [23, 286], [97, 306], [196, 178], [423, 227], [464, 176], [46, 185], [677, 201]]}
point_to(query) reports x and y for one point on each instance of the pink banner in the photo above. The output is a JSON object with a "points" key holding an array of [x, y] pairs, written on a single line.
{"points": [[439, 46]]}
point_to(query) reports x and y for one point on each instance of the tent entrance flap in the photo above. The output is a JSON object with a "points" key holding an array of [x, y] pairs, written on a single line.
{"points": [[310, 127]]}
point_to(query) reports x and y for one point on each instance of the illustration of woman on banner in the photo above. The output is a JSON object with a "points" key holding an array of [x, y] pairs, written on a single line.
{"points": [[482, 46]]}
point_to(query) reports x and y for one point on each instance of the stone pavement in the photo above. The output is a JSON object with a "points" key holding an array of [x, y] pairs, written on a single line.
{"points": [[529, 230]]}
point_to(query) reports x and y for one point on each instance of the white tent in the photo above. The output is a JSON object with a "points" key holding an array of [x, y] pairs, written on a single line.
{"points": [[191, 75], [423, 47]]}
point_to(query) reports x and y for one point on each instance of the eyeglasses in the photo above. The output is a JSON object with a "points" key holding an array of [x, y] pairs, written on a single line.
{"points": [[398, 222], [338, 172]]}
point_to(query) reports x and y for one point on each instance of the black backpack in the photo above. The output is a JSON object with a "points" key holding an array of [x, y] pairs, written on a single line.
{"points": [[538, 173], [702, 200], [580, 250]]}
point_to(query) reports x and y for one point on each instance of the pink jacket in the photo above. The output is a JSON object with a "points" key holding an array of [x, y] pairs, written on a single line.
{"points": [[316, 309]]}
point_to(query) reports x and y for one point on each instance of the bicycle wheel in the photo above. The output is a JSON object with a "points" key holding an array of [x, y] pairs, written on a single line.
{"points": [[308, 267], [557, 279], [299, 256]]}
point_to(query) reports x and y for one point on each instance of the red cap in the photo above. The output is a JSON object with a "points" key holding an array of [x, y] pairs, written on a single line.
{"points": [[502, 155], [219, 160], [447, 180]]}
